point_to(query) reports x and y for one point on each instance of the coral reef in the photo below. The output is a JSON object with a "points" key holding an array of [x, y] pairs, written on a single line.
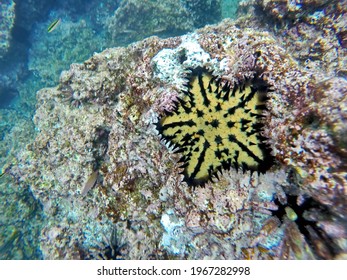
{"points": [[101, 118], [7, 15]]}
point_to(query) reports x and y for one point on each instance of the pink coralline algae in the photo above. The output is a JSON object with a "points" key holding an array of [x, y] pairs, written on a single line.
{"points": [[101, 118]]}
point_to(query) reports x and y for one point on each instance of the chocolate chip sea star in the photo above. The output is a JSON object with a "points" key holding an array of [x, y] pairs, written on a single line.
{"points": [[217, 125]]}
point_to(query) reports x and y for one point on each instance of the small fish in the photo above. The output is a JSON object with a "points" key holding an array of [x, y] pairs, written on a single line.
{"points": [[53, 25], [91, 182]]}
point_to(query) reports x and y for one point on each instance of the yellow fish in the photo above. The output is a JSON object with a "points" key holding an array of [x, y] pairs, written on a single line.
{"points": [[53, 25]]}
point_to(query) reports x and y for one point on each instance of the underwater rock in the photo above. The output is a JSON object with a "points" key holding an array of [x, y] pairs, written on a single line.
{"points": [[7, 15], [102, 115], [204, 12], [135, 20], [21, 217], [314, 31]]}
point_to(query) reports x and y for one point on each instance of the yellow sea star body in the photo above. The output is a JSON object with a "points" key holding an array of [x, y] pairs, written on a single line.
{"points": [[215, 126]]}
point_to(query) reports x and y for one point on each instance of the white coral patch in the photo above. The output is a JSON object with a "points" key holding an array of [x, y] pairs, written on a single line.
{"points": [[170, 65], [173, 238]]}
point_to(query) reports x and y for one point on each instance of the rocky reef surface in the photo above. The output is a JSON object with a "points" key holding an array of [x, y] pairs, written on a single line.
{"points": [[111, 189], [135, 20], [7, 16]]}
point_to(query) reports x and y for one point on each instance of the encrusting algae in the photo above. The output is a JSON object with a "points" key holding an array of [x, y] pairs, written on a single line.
{"points": [[217, 125]]}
